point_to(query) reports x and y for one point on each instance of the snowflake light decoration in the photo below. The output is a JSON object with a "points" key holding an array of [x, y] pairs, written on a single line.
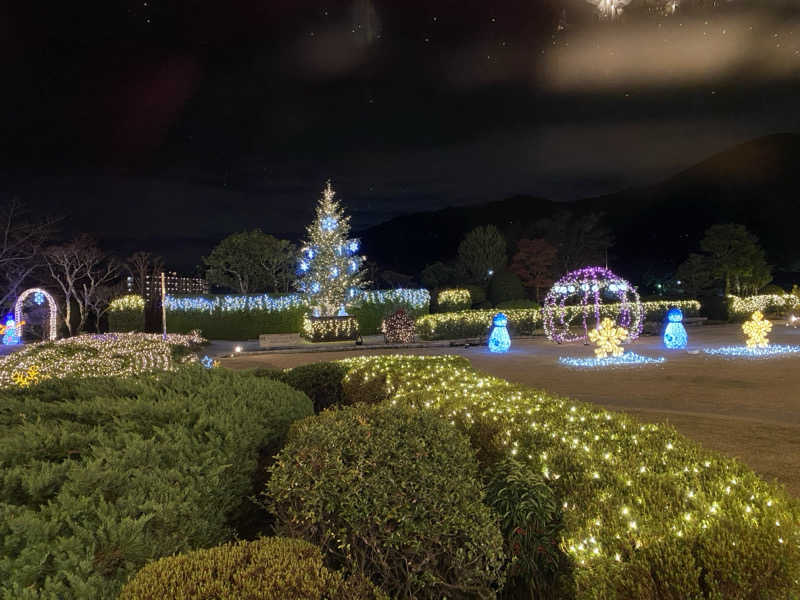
{"points": [[756, 330], [608, 337]]}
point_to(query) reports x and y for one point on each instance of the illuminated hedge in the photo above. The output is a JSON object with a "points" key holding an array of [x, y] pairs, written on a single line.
{"points": [[126, 313], [329, 329], [112, 354], [766, 303], [476, 323], [647, 512], [230, 317], [453, 300]]}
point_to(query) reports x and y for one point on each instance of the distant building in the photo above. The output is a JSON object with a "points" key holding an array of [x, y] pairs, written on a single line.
{"points": [[174, 283]]}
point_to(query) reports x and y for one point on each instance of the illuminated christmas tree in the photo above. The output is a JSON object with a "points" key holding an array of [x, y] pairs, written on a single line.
{"points": [[329, 271]]}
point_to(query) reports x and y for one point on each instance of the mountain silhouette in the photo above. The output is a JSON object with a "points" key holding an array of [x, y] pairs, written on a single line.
{"points": [[655, 227]]}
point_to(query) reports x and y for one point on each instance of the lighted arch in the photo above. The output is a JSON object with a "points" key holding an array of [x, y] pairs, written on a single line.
{"points": [[53, 310]]}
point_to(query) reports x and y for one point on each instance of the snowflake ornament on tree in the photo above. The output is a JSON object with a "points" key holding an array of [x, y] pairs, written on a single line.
{"points": [[608, 337], [329, 271], [756, 330]]}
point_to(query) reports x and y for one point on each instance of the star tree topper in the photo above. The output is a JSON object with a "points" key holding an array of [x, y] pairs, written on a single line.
{"points": [[608, 337], [756, 330]]}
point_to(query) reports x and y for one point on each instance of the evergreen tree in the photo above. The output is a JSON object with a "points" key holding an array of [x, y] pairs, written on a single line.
{"points": [[330, 271]]}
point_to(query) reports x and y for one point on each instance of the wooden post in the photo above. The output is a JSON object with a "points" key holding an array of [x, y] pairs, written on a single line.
{"points": [[163, 305]]}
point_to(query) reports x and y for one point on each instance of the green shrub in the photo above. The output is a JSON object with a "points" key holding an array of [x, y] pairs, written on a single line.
{"points": [[477, 293], [531, 523], [521, 303], [101, 475], [236, 325], [453, 300], [393, 493], [322, 382], [265, 569], [126, 313], [504, 286], [646, 512], [126, 320]]}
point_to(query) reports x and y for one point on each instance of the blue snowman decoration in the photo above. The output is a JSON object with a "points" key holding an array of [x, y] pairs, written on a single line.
{"points": [[499, 340], [675, 337]]}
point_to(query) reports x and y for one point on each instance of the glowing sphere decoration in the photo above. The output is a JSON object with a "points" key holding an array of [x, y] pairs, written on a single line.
{"points": [[579, 301], [675, 337], [499, 340]]}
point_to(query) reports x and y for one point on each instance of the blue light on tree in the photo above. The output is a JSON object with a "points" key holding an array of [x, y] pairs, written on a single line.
{"points": [[499, 340], [334, 272], [303, 266], [353, 266], [353, 245], [315, 287], [675, 337], [328, 223]]}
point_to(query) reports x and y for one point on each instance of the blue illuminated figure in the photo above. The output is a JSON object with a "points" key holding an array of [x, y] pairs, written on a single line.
{"points": [[10, 331], [499, 340], [675, 337], [207, 362], [38, 298]]}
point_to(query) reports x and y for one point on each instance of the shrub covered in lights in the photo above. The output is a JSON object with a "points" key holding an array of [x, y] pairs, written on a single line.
{"points": [[391, 492], [453, 300], [741, 308], [647, 513], [100, 356], [100, 476], [126, 313], [399, 328], [329, 329], [526, 322], [573, 306], [264, 569]]}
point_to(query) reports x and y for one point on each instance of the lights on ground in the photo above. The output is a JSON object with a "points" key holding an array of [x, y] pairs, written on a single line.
{"points": [[629, 358], [745, 352]]}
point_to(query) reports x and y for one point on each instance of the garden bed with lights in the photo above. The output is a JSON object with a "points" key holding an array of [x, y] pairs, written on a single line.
{"points": [[646, 512], [111, 354]]}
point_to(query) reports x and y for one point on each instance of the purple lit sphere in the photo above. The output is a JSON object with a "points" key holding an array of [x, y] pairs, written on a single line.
{"points": [[581, 299]]}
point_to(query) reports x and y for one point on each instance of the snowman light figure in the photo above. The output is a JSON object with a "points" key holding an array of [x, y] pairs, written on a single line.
{"points": [[675, 337], [499, 340], [10, 331]]}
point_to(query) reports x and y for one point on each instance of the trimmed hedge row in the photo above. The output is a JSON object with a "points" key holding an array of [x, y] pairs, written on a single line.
{"points": [[126, 320], [236, 325], [646, 512], [98, 476], [265, 569], [524, 322], [247, 317]]}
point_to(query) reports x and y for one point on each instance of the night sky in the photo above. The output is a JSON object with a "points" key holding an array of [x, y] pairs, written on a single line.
{"points": [[166, 125]]}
